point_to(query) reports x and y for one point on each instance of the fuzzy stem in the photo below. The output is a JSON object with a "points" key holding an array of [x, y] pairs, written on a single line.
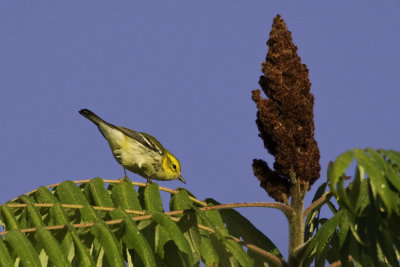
{"points": [[296, 222]]}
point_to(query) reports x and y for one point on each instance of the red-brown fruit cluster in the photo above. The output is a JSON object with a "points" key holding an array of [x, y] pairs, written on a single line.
{"points": [[285, 118]]}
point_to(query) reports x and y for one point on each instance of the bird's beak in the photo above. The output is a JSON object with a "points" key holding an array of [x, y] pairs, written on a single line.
{"points": [[183, 180]]}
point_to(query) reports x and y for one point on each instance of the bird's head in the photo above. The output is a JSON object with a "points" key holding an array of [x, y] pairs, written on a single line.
{"points": [[171, 166]]}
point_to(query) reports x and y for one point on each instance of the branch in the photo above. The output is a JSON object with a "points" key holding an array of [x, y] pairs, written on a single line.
{"points": [[317, 202], [339, 263], [261, 251], [285, 209], [276, 205], [299, 252]]}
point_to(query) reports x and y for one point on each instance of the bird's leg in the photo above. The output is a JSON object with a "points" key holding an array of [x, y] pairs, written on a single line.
{"points": [[126, 176], [149, 182]]}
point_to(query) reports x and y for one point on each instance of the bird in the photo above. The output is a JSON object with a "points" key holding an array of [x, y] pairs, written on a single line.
{"points": [[138, 152]]}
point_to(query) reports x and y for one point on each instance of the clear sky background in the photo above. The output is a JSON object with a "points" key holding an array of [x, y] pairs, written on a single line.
{"points": [[183, 71]]}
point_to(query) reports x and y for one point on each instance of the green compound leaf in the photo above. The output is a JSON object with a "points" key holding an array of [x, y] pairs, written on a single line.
{"points": [[238, 253], [82, 237], [5, 257], [392, 168], [51, 247], [22, 248], [34, 216], [109, 243], [70, 193], [240, 227], [64, 237], [213, 219], [125, 196], [161, 237], [175, 257], [370, 212], [224, 256], [393, 156], [209, 254], [60, 217], [83, 257], [338, 169], [99, 196], [173, 231], [312, 220], [180, 201], [134, 239], [319, 243], [150, 198], [89, 214], [44, 195], [375, 173], [9, 220], [386, 242], [190, 229]]}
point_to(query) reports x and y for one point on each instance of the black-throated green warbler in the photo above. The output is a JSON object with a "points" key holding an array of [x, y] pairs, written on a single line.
{"points": [[138, 152]]}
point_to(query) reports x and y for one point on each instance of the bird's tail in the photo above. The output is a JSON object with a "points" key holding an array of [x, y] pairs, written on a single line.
{"points": [[91, 116]]}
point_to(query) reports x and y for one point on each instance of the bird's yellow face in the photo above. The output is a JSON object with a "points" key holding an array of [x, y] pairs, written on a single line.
{"points": [[171, 166]]}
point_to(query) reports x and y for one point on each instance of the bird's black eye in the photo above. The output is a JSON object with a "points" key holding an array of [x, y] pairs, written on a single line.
{"points": [[174, 166]]}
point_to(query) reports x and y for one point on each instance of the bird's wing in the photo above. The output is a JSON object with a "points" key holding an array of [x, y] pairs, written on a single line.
{"points": [[145, 139]]}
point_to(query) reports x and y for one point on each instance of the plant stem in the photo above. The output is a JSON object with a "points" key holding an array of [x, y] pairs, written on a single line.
{"points": [[296, 222], [320, 201]]}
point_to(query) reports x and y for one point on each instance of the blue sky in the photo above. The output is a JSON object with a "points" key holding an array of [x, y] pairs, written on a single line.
{"points": [[183, 72]]}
